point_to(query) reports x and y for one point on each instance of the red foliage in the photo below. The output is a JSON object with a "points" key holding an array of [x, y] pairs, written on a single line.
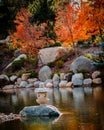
{"points": [[30, 38]]}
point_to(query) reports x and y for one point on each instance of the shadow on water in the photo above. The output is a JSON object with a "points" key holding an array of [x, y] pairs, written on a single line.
{"points": [[40, 120]]}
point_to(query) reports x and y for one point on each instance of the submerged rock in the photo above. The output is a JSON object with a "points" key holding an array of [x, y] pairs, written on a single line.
{"points": [[40, 111]]}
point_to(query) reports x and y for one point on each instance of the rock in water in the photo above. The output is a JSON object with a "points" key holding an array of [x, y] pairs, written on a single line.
{"points": [[40, 111]]}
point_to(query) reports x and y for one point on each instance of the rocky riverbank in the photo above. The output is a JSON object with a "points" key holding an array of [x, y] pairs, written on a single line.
{"points": [[11, 116]]}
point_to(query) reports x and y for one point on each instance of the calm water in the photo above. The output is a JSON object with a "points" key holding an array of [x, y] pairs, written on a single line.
{"points": [[82, 109]]}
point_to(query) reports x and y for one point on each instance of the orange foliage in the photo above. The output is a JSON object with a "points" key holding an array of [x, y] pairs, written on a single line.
{"points": [[66, 27], [29, 38], [80, 22]]}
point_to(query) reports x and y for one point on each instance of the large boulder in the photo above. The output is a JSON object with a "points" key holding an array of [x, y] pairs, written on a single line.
{"points": [[52, 54], [82, 63], [40, 111], [44, 73]]}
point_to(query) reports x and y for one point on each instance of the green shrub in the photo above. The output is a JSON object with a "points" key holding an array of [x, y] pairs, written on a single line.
{"points": [[51, 64], [32, 60], [59, 64], [98, 57], [64, 58], [33, 74], [85, 46], [88, 55], [83, 71], [21, 72], [17, 65]]}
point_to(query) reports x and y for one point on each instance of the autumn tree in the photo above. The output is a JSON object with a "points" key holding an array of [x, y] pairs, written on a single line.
{"points": [[66, 28], [80, 21], [91, 19], [29, 38], [96, 17]]}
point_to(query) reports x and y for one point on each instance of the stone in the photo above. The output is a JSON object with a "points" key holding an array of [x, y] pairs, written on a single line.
{"points": [[62, 76], [97, 81], [23, 84], [48, 81], [56, 84], [56, 77], [62, 84], [10, 117], [77, 76], [77, 79], [68, 76], [44, 73], [40, 111], [25, 76], [69, 84], [29, 85], [49, 85], [32, 80], [6, 87], [41, 85], [13, 78], [36, 84], [95, 74], [78, 82], [82, 64], [51, 54], [87, 81], [18, 81]]}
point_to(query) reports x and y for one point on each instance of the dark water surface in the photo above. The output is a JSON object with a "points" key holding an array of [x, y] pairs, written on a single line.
{"points": [[81, 108]]}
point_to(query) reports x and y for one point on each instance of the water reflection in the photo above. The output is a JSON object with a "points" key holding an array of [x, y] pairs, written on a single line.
{"points": [[82, 108], [40, 120]]}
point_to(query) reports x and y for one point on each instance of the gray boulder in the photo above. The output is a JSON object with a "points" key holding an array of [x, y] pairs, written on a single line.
{"points": [[87, 81], [40, 111], [44, 73], [23, 84], [82, 63], [77, 79]]}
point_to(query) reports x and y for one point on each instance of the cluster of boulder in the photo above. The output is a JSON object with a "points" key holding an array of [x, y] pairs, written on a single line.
{"points": [[11, 116], [45, 79]]}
